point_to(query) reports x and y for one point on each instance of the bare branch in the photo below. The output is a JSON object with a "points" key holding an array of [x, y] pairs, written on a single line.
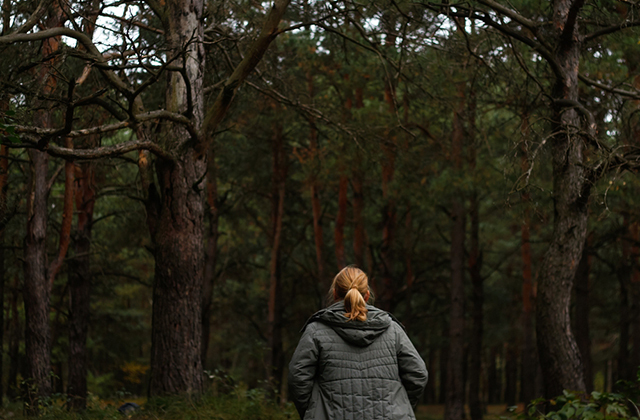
{"points": [[147, 116], [95, 153], [621, 92], [511, 14], [611, 29]]}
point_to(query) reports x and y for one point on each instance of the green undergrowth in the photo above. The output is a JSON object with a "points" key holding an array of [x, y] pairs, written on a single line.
{"points": [[245, 405]]}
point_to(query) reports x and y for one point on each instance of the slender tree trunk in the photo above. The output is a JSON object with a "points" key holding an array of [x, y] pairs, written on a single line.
{"points": [[175, 216], [511, 373], [494, 382], [316, 207], [36, 287], [475, 349], [623, 274], [211, 256], [67, 217], [559, 354], [358, 197], [358, 219], [275, 365], [14, 344], [476, 409], [80, 289], [634, 234], [454, 407], [430, 392], [341, 219], [581, 325], [529, 355], [4, 175], [444, 366]]}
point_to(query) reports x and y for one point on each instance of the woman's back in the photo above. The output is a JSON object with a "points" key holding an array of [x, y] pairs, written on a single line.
{"points": [[344, 369]]}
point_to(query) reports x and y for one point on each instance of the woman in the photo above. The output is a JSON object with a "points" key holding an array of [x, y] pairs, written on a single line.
{"points": [[354, 361]]}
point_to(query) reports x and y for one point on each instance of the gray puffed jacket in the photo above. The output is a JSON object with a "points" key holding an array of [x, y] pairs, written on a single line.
{"points": [[354, 370]]}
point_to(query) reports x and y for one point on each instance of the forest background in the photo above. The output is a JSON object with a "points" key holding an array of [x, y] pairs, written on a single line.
{"points": [[180, 181]]}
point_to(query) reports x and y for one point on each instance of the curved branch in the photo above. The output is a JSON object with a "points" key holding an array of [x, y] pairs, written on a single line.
{"points": [[611, 29], [511, 14], [95, 153], [621, 92], [147, 116]]}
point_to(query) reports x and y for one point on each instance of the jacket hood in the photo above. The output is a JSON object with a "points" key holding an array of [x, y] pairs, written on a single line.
{"points": [[358, 333]]}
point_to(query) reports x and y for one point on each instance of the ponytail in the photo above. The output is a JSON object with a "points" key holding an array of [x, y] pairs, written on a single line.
{"points": [[351, 284], [355, 305]]}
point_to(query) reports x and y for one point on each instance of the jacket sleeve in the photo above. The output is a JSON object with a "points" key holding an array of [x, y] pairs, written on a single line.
{"points": [[302, 370], [413, 372]]}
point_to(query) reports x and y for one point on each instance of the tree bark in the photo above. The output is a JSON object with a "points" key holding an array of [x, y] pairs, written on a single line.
{"points": [[454, 406], [634, 287], [558, 351], [623, 273], [581, 325], [211, 256], [529, 354], [36, 286], [4, 176], [80, 289], [175, 216], [14, 344]]}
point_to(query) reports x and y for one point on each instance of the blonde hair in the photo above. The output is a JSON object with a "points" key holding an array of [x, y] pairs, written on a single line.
{"points": [[351, 284]]}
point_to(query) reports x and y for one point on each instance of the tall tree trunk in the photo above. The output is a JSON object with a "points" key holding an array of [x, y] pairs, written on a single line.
{"points": [[494, 382], [80, 289], [36, 287], [358, 219], [316, 207], [623, 273], [475, 349], [341, 219], [14, 344], [176, 214], [511, 373], [634, 287], [581, 324], [275, 363], [444, 366], [211, 256], [4, 175], [529, 357], [476, 409], [430, 392], [358, 197], [454, 407], [559, 354]]}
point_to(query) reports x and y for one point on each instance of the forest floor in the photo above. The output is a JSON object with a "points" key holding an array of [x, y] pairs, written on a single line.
{"points": [[436, 412], [212, 409]]}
